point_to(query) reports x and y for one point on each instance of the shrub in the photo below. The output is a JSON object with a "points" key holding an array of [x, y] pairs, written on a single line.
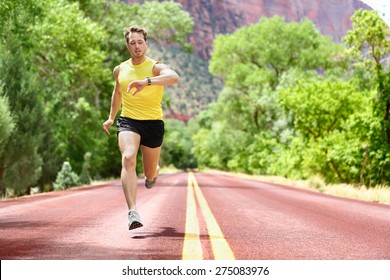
{"points": [[66, 178]]}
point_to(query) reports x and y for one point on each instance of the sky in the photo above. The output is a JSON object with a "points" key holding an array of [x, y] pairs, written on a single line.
{"points": [[382, 7]]}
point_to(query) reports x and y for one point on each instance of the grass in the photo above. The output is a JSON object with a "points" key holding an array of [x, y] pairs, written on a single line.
{"points": [[379, 194]]}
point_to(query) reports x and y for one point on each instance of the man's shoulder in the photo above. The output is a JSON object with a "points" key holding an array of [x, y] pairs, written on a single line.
{"points": [[151, 60], [126, 62], [123, 65]]}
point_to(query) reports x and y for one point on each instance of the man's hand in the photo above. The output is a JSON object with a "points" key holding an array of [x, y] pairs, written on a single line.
{"points": [[106, 125], [138, 85]]}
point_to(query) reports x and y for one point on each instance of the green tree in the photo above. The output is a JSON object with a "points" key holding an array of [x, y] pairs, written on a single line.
{"points": [[16, 18], [171, 24], [257, 65], [167, 23], [7, 124], [253, 62], [322, 113], [370, 48], [69, 60], [21, 163]]}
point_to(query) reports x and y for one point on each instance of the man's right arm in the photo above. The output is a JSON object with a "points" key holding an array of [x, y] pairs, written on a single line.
{"points": [[116, 101]]}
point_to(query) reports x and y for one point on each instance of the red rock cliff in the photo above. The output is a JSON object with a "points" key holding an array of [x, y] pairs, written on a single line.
{"points": [[212, 17]]}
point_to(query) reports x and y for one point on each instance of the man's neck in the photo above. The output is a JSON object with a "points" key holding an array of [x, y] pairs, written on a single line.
{"points": [[137, 61]]}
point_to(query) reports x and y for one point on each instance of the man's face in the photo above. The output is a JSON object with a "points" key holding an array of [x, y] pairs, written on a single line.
{"points": [[137, 45]]}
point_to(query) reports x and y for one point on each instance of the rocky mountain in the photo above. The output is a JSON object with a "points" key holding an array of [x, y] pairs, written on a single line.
{"points": [[213, 17]]}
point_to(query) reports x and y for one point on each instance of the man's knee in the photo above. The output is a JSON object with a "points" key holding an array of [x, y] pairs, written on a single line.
{"points": [[129, 159]]}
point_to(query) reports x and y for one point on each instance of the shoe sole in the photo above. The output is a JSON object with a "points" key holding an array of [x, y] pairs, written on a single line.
{"points": [[135, 225], [149, 187]]}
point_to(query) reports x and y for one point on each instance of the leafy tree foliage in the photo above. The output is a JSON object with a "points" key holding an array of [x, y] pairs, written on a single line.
{"points": [[197, 87], [7, 123], [71, 68], [253, 69], [21, 163], [291, 106], [290, 103], [178, 144], [321, 113], [369, 43], [56, 64]]}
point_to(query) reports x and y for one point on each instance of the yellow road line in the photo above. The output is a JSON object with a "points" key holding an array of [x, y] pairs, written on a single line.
{"points": [[219, 245], [192, 248]]}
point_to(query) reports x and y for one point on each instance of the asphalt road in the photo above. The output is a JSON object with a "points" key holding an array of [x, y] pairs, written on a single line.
{"points": [[194, 216]]}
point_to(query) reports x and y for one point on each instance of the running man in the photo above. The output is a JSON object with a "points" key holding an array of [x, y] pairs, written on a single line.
{"points": [[139, 87]]}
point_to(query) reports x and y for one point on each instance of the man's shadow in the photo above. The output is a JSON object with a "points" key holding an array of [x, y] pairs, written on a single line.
{"points": [[167, 232]]}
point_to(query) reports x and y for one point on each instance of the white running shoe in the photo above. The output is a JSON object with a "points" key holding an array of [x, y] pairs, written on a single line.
{"points": [[134, 220]]}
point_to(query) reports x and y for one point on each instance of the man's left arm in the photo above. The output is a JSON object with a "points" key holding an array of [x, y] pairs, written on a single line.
{"points": [[163, 75]]}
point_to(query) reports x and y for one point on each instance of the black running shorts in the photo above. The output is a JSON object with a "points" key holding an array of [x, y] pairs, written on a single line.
{"points": [[151, 131]]}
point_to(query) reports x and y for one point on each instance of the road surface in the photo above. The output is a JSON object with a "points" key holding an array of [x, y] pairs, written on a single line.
{"points": [[194, 216]]}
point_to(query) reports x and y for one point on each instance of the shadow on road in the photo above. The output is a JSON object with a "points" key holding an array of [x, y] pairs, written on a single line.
{"points": [[167, 232]]}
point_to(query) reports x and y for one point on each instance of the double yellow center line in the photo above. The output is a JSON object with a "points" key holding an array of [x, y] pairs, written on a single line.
{"points": [[192, 249]]}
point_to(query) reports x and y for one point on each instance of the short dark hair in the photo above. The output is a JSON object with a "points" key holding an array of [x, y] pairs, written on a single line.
{"points": [[135, 28]]}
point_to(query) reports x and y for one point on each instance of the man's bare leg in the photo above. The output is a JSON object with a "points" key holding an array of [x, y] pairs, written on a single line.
{"points": [[150, 159], [129, 143]]}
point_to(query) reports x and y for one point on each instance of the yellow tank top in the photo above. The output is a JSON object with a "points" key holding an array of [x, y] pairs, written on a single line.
{"points": [[146, 104]]}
